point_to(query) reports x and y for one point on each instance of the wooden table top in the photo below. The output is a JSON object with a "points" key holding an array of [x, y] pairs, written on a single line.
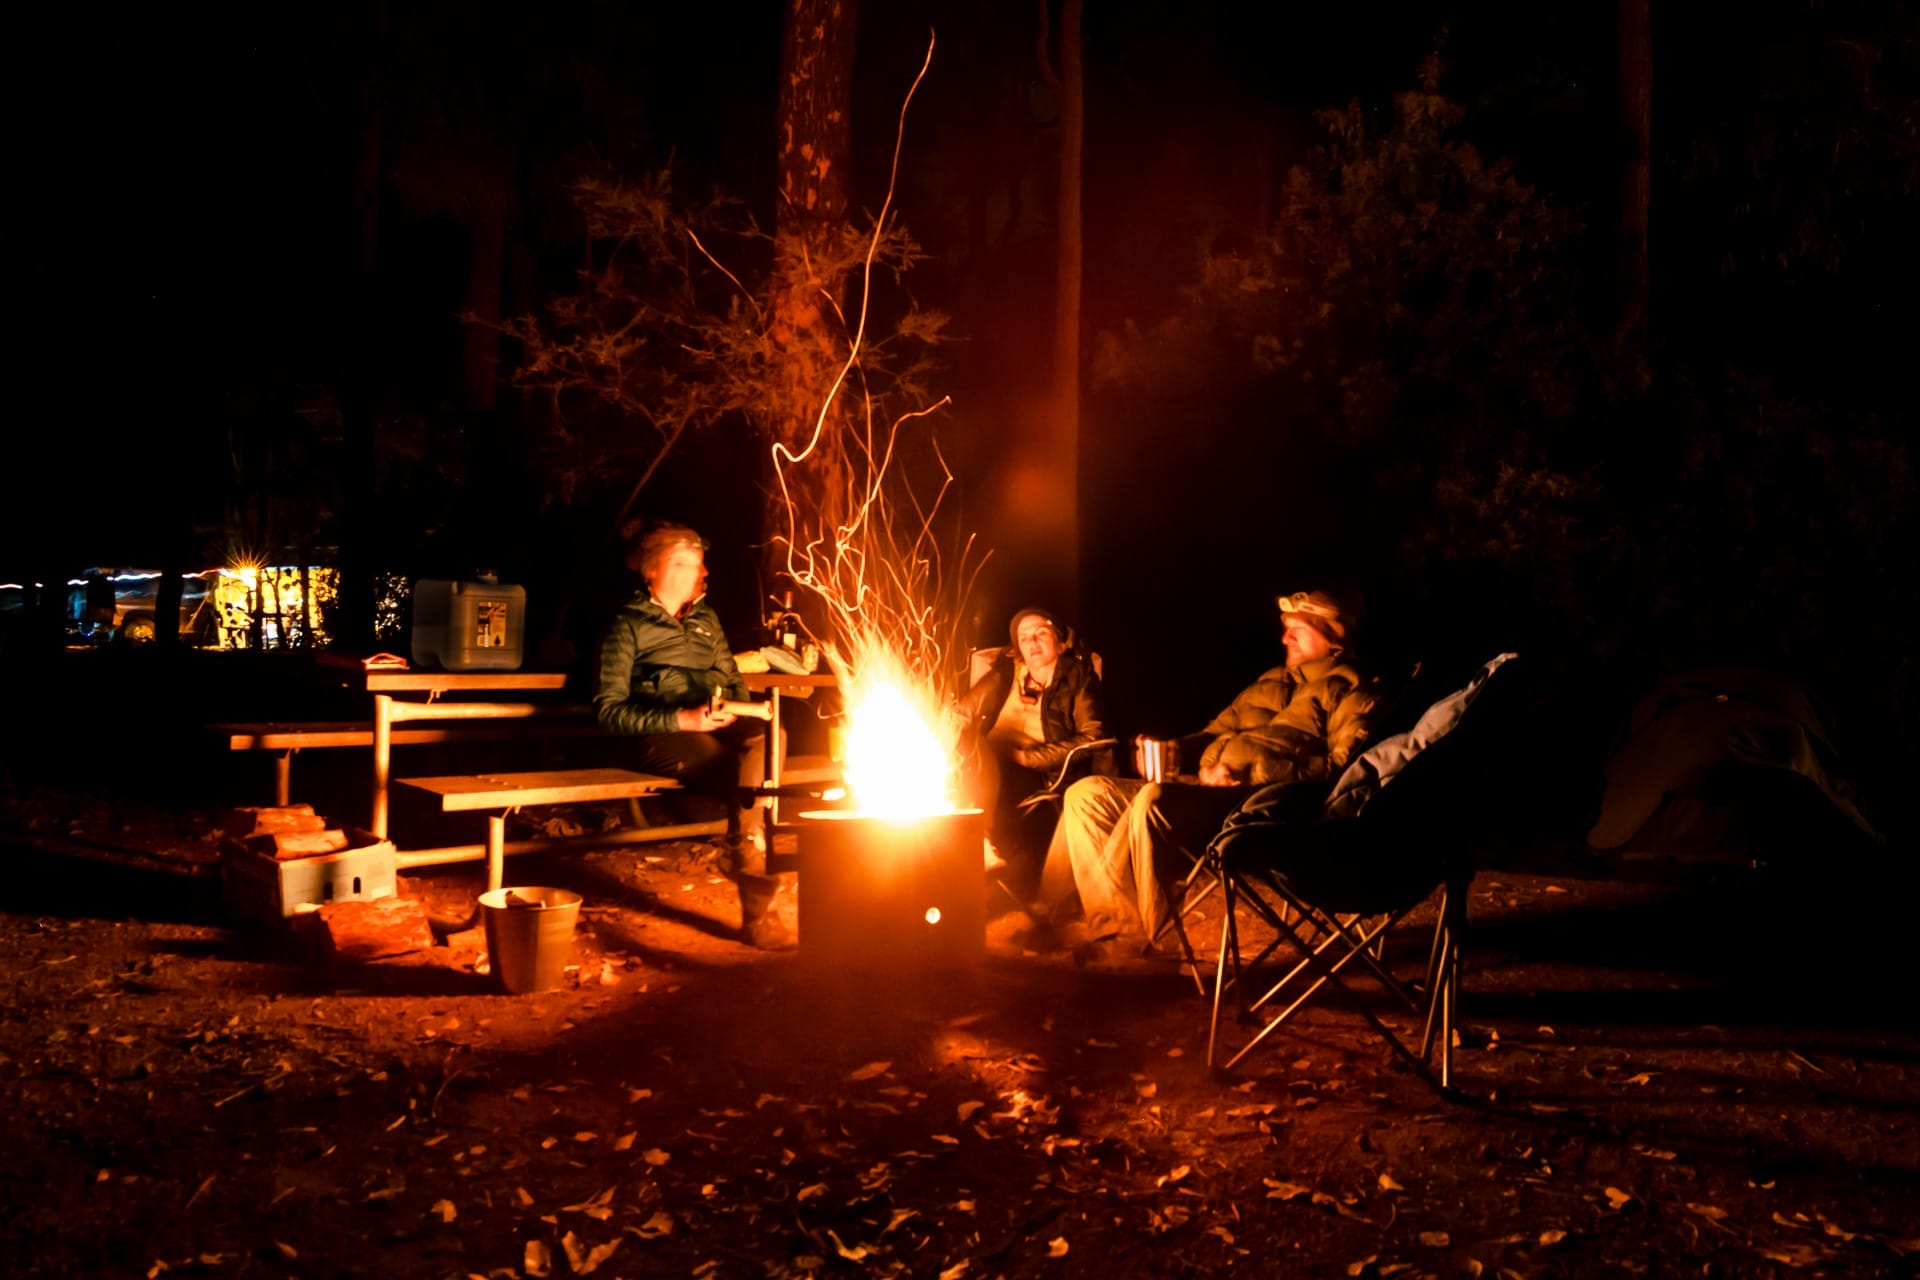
{"points": [[390, 681], [761, 681]]}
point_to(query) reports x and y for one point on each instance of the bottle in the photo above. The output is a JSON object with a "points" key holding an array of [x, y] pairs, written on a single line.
{"points": [[783, 626]]}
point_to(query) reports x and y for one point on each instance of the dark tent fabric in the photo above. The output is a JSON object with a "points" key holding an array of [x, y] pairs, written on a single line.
{"points": [[1733, 763]]}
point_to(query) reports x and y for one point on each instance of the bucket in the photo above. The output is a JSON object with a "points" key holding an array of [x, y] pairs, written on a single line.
{"points": [[530, 936]]}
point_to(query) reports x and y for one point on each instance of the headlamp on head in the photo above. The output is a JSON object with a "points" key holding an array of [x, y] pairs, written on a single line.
{"points": [[1325, 612]]}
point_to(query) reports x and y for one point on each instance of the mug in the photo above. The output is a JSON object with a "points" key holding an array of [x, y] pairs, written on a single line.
{"points": [[1158, 759]]}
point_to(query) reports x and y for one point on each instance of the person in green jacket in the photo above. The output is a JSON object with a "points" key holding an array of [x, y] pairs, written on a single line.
{"points": [[662, 661], [1116, 840]]}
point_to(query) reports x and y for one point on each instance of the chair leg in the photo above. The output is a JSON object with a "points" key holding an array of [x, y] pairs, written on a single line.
{"points": [[1229, 942]]}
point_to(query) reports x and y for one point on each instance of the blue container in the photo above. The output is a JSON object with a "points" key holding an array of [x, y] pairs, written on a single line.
{"points": [[469, 626]]}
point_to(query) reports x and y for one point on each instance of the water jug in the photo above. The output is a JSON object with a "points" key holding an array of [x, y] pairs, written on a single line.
{"points": [[469, 626]]}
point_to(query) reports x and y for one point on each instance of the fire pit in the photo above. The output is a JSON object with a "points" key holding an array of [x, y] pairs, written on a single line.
{"points": [[892, 895]]}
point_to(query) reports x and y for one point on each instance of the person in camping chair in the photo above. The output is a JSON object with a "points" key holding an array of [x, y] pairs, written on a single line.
{"points": [[1037, 704], [1118, 839], [661, 661]]}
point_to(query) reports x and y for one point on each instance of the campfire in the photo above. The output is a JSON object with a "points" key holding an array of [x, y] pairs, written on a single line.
{"points": [[895, 882]]}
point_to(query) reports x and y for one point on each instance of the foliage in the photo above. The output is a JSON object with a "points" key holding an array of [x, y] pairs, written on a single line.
{"points": [[1415, 316], [672, 328], [1405, 280]]}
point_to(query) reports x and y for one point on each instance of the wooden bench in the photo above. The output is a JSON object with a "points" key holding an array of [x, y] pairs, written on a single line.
{"points": [[500, 793], [285, 738]]}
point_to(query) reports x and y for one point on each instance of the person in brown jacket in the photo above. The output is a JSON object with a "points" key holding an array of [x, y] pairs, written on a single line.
{"points": [[1038, 703], [1117, 839]]}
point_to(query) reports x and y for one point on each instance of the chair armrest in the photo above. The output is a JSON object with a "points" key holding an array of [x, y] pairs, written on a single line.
{"points": [[1066, 761]]}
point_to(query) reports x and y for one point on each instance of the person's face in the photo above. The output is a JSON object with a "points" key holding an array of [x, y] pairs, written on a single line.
{"points": [[1038, 643], [1304, 643], [676, 575]]}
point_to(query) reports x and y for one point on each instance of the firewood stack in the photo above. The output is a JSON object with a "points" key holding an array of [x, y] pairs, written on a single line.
{"points": [[283, 832]]}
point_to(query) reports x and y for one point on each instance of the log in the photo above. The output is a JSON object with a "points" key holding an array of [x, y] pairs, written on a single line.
{"points": [[361, 932], [285, 846], [262, 820]]}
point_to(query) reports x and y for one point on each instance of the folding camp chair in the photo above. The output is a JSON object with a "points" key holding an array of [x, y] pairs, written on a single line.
{"points": [[1333, 878]]}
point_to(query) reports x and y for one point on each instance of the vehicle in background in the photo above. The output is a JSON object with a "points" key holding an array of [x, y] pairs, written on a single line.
{"points": [[219, 608]]}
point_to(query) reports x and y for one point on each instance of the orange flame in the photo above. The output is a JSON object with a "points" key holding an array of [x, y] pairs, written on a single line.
{"points": [[897, 766]]}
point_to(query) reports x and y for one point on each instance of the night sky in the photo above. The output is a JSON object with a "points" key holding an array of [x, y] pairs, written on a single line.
{"points": [[182, 250]]}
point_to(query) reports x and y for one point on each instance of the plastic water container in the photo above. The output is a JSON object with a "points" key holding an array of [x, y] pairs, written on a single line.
{"points": [[469, 626]]}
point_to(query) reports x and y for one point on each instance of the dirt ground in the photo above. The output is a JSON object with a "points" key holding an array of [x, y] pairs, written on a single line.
{"points": [[1706, 1079]]}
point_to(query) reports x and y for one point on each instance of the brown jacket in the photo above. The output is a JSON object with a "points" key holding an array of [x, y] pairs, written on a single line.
{"points": [[1294, 724], [1071, 710]]}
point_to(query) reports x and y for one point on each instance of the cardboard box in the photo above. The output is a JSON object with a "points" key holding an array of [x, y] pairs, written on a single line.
{"points": [[260, 890]]}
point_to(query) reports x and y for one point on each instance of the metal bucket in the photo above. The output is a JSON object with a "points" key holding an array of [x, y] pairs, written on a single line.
{"points": [[530, 936]]}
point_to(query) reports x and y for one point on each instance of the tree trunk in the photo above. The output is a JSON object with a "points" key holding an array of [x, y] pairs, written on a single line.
{"points": [[358, 559], [486, 261], [815, 144], [1636, 178], [1056, 523]]}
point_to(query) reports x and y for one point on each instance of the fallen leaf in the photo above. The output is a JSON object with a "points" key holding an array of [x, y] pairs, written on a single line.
{"points": [[869, 1071], [521, 1198], [1654, 1153], [957, 1270], [808, 1193], [1145, 1088], [1355, 1268], [624, 1142], [444, 1210], [1618, 1199], [585, 1261], [1794, 1255], [585, 1135], [538, 1261], [966, 1109], [660, 1224], [1712, 1213], [1388, 1184], [1435, 1239], [286, 1250], [638, 1095], [1222, 1232], [1643, 1077], [1552, 1237], [855, 1254], [1285, 1190], [1057, 1247], [655, 1157], [949, 1139]]}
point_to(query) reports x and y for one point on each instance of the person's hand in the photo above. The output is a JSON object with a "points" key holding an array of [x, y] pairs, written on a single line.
{"points": [[702, 719], [1023, 757], [1140, 755], [1217, 775]]}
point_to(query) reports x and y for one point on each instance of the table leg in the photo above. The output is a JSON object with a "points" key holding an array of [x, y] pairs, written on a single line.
{"points": [[776, 753]]}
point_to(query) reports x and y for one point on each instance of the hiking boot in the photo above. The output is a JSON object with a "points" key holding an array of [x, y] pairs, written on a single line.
{"points": [[760, 924]]}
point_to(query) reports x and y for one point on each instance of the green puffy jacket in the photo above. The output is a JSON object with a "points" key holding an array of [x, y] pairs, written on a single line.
{"points": [[653, 664], [1293, 724]]}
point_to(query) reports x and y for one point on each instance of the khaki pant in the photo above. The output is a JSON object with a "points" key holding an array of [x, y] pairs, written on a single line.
{"points": [[1119, 840]]}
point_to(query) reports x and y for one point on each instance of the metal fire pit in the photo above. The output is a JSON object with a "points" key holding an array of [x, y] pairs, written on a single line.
{"points": [[892, 896]]}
